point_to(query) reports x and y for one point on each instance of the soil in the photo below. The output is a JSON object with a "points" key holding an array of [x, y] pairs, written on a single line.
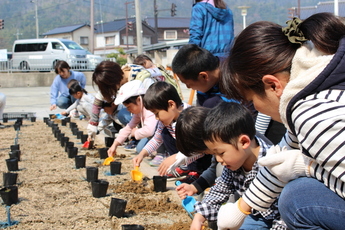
{"points": [[53, 194]]}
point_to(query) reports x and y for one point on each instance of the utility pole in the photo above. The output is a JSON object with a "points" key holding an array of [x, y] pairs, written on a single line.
{"points": [[36, 16], [138, 27], [92, 27], [17, 34], [155, 7], [127, 23], [336, 8]]}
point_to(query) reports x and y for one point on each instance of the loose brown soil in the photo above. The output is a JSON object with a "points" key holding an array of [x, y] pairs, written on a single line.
{"points": [[53, 194]]}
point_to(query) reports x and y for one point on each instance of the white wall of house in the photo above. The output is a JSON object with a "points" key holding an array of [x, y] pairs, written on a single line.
{"points": [[102, 39]]}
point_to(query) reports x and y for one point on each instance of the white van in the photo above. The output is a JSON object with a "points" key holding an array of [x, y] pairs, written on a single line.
{"points": [[42, 54]]}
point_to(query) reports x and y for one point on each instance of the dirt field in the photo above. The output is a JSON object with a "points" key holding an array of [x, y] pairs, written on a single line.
{"points": [[53, 194]]}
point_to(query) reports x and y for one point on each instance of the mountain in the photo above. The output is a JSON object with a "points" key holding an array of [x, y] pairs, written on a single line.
{"points": [[20, 22]]}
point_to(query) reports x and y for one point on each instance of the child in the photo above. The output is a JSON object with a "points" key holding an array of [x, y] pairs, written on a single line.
{"points": [[296, 75], [83, 103], [163, 101], [229, 134], [131, 95]]}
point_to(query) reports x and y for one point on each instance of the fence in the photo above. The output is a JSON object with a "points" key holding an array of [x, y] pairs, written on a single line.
{"points": [[41, 65]]}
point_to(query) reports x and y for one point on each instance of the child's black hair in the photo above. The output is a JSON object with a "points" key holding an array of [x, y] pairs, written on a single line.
{"points": [[189, 129], [158, 95], [227, 121], [141, 59], [132, 99], [191, 59], [76, 87]]}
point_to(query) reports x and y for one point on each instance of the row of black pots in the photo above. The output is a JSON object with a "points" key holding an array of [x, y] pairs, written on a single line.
{"points": [[99, 187], [32, 119]]}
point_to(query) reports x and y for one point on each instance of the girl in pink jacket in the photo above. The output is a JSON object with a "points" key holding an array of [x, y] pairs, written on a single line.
{"points": [[131, 95]]}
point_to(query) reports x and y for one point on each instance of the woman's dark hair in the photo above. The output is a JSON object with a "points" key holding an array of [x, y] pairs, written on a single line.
{"points": [[226, 122], [133, 99], [189, 129], [107, 76], [158, 95], [141, 59], [76, 87], [217, 3], [262, 48], [61, 65]]}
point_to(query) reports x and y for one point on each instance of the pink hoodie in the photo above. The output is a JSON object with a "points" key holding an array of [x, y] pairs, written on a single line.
{"points": [[148, 125]]}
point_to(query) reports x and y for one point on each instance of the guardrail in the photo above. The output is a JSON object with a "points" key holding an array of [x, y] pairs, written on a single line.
{"points": [[45, 66]]}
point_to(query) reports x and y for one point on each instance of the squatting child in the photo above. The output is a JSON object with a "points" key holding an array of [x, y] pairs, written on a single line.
{"points": [[163, 100], [229, 134]]}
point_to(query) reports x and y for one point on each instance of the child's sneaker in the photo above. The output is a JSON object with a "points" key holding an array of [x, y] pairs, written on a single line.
{"points": [[131, 145], [177, 174], [159, 158], [192, 176]]}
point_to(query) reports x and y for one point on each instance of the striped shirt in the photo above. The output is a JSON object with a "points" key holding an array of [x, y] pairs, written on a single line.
{"points": [[316, 116]]}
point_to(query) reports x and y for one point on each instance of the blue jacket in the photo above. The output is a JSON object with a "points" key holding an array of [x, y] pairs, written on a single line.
{"points": [[59, 85], [212, 28]]}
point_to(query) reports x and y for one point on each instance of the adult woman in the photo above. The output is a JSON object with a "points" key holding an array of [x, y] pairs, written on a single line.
{"points": [[59, 94], [108, 76], [296, 76]]}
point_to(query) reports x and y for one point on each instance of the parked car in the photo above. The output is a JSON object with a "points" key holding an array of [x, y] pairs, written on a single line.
{"points": [[42, 54], [93, 60]]}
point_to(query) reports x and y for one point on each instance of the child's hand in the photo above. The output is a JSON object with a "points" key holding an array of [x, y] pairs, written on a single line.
{"points": [[138, 159], [184, 190], [197, 223], [112, 150], [163, 167], [231, 215], [64, 113]]}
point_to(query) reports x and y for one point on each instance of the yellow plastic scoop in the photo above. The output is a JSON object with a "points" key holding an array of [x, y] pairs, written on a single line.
{"points": [[136, 174], [108, 160]]}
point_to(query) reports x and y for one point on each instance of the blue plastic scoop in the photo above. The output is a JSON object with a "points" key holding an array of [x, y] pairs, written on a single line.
{"points": [[188, 202]]}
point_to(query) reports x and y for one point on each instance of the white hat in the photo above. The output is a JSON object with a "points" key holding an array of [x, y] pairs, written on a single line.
{"points": [[130, 89]]}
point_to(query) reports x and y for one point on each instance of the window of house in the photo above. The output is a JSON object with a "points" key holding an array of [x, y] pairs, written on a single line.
{"points": [[84, 40], [110, 40], [130, 40], [146, 41], [170, 34]]}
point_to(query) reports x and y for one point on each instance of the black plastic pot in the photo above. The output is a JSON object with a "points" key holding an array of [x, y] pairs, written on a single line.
{"points": [[15, 154], [99, 188], [132, 227], [72, 152], [15, 147], [9, 179], [115, 167], [80, 161], [12, 164], [103, 153], [160, 183], [9, 195], [63, 141], [109, 141], [68, 144], [91, 174], [117, 207]]}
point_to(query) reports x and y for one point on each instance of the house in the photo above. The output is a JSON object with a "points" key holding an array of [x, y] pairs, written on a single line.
{"points": [[79, 33], [328, 6], [170, 28], [115, 34]]}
